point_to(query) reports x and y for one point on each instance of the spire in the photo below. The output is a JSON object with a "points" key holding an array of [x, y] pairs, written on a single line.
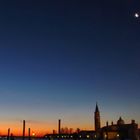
{"points": [[97, 119], [96, 109]]}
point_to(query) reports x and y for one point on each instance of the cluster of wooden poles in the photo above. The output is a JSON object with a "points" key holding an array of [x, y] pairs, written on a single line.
{"points": [[10, 136]]}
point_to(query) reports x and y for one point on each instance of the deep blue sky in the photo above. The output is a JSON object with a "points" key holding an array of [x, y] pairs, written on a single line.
{"points": [[58, 58]]}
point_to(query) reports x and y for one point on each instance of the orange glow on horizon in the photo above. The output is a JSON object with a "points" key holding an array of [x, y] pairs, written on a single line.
{"points": [[16, 128], [40, 129]]}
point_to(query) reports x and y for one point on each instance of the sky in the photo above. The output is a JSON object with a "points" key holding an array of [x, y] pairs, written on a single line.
{"points": [[58, 58]]}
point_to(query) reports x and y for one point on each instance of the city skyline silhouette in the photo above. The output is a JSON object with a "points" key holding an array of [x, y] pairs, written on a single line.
{"points": [[58, 58]]}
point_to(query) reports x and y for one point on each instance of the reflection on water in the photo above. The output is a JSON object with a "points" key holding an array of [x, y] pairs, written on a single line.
{"points": [[20, 138]]}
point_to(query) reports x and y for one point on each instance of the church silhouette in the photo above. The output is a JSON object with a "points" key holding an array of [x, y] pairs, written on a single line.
{"points": [[115, 131]]}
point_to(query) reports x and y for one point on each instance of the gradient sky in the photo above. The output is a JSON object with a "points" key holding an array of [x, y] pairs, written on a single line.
{"points": [[57, 58]]}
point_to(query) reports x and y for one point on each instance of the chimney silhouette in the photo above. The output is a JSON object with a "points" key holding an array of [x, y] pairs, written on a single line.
{"points": [[59, 126], [29, 133], [23, 136], [8, 136]]}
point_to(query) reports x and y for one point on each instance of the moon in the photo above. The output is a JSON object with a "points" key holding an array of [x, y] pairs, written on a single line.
{"points": [[136, 15]]}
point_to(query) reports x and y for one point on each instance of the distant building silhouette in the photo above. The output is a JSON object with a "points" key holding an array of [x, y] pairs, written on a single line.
{"points": [[118, 131], [97, 122], [97, 119]]}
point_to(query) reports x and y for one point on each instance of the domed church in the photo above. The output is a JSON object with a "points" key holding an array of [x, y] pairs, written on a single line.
{"points": [[118, 131]]}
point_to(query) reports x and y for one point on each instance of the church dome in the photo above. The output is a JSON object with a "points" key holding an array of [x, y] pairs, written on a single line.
{"points": [[120, 121]]}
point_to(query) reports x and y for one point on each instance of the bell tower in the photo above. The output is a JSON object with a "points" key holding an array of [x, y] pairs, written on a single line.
{"points": [[97, 118]]}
